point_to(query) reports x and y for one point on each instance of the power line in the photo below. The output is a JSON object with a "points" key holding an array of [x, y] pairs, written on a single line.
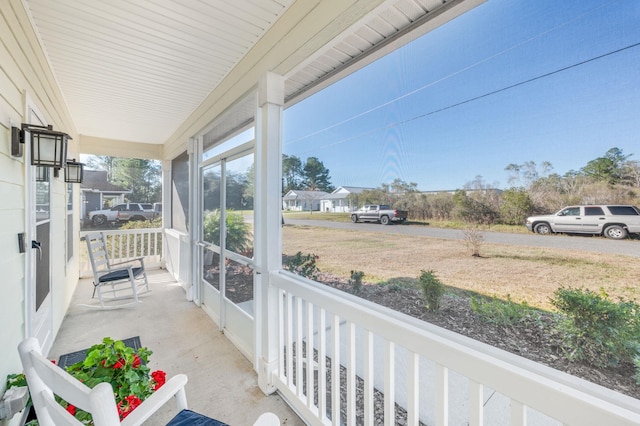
{"points": [[485, 95], [448, 76]]}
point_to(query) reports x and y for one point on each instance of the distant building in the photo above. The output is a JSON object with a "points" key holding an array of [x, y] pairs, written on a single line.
{"points": [[299, 200], [338, 200], [468, 191], [97, 193]]}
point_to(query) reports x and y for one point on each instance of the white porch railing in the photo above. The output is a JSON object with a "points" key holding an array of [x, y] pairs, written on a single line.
{"points": [[391, 363], [124, 245], [176, 257]]}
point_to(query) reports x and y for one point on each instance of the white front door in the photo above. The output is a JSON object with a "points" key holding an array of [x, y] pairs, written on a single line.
{"points": [[39, 321]]}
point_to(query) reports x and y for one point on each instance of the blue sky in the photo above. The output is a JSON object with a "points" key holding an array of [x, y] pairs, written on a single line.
{"points": [[441, 110]]}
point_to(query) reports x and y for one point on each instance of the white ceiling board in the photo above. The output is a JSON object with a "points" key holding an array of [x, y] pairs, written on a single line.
{"points": [[136, 70]]}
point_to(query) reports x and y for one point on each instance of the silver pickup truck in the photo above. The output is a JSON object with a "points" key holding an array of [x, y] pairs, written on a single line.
{"points": [[378, 213], [612, 221]]}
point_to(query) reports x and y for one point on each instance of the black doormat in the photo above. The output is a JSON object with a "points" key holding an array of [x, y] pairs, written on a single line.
{"points": [[74, 357]]}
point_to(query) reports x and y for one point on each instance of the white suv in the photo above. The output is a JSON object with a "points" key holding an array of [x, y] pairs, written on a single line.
{"points": [[612, 221]]}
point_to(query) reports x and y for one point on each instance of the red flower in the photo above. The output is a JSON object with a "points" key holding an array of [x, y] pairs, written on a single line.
{"points": [[127, 405], [160, 377], [136, 361], [71, 409]]}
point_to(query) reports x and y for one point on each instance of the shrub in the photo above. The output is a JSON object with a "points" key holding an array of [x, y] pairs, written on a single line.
{"points": [[238, 235], [598, 330], [356, 281], [142, 224], [304, 265], [473, 240], [432, 290], [500, 312]]}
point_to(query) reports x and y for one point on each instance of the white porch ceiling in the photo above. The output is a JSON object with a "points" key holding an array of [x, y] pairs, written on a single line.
{"points": [[135, 70]]}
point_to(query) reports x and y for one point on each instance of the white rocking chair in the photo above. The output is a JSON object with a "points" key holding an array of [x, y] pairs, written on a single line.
{"points": [[114, 281], [45, 380]]}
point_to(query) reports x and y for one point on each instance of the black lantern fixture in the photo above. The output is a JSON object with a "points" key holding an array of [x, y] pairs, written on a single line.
{"points": [[73, 172], [48, 147]]}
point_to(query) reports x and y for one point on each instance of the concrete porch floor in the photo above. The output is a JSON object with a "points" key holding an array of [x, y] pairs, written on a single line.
{"points": [[222, 383]]}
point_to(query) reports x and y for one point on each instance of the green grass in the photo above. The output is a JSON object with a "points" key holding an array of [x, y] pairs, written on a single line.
{"points": [[333, 217], [448, 224], [453, 224]]}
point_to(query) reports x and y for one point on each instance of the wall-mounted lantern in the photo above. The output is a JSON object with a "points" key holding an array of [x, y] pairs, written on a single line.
{"points": [[48, 147], [73, 172]]}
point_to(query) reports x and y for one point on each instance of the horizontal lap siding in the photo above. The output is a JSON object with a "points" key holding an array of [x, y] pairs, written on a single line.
{"points": [[24, 71]]}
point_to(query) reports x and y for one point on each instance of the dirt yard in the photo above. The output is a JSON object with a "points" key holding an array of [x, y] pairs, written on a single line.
{"points": [[522, 273]]}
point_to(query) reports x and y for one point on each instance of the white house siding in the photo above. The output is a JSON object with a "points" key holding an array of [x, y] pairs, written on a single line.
{"points": [[24, 72]]}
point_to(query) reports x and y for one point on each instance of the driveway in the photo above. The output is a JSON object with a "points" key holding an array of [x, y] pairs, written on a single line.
{"points": [[573, 242]]}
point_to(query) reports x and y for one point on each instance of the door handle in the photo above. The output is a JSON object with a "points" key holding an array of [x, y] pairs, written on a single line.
{"points": [[37, 245]]}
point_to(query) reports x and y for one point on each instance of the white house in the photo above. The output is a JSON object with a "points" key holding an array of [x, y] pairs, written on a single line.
{"points": [[299, 200], [338, 201]]}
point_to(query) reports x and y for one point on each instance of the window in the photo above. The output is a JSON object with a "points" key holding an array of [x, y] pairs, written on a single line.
{"points": [[70, 234], [623, 210], [593, 211], [572, 211]]}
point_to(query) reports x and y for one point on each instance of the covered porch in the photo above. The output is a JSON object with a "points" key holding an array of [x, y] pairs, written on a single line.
{"points": [[391, 368], [222, 383], [311, 355]]}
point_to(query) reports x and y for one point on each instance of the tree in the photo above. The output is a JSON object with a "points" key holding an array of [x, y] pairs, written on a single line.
{"points": [[291, 173], [249, 187], [516, 206], [631, 173], [527, 173], [472, 210], [102, 162], [141, 176], [315, 176], [609, 168], [236, 191], [398, 186], [377, 196]]}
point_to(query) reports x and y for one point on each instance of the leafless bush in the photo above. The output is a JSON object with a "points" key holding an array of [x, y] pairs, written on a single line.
{"points": [[473, 240]]}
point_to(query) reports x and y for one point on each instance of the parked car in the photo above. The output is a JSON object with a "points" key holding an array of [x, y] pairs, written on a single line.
{"points": [[612, 221], [122, 212], [378, 213]]}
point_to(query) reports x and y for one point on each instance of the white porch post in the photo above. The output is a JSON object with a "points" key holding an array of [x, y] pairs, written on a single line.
{"points": [[268, 217], [166, 206]]}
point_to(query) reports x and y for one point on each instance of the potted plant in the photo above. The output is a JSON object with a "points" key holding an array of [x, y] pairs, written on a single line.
{"points": [[108, 362], [124, 368]]}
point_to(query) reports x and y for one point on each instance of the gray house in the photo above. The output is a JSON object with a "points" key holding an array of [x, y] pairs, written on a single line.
{"points": [[338, 200], [97, 193]]}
